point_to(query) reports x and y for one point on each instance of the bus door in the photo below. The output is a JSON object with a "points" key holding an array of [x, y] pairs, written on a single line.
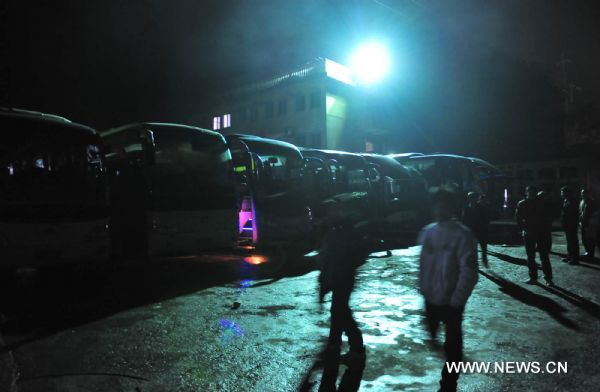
{"points": [[246, 176], [129, 195], [316, 181], [275, 199]]}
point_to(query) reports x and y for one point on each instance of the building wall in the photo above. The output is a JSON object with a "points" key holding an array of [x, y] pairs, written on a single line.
{"points": [[293, 112], [332, 117], [550, 176], [336, 109]]}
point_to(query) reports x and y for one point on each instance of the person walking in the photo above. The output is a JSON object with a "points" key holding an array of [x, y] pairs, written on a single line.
{"points": [[587, 208], [475, 217], [343, 249], [448, 273], [569, 220], [530, 216]]}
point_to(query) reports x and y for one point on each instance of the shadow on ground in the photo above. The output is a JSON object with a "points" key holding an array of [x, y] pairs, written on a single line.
{"points": [[588, 306], [553, 308], [507, 258], [329, 366]]}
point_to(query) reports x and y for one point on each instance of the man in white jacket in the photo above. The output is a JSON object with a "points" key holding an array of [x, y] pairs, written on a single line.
{"points": [[447, 276]]}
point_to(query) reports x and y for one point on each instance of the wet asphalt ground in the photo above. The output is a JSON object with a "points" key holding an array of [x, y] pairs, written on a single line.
{"points": [[221, 323]]}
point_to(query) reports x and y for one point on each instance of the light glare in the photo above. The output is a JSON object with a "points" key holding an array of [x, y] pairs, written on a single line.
{"points": [[370, 63]]}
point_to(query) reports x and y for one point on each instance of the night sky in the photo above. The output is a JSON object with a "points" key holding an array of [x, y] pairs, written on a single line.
{"points": [[478, 77]]}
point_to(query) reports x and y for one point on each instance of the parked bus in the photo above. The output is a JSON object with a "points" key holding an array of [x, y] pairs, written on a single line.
{"points": [[274, 210], [405, 196], [461, 174], [172, 190], [340, 175], [347, 178], [53, 195], [393, 198]]}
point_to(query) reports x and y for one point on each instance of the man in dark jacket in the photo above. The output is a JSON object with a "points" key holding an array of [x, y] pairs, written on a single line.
{"points": [[569, 220], [544, 243], [343, 249], [475, 217], [587, 207], [531, 218], [593, 230]]}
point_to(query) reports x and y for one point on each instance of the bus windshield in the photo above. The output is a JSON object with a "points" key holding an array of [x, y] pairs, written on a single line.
{"points": [[356, 179], [46, 163], [192, 167], [281, 164]]}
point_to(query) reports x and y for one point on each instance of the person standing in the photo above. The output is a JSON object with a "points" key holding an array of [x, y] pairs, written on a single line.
{"points": [[475, 217], [544, 240], [530, 217], [593, 230], [447, 275], [587, 207], [569, 220]]}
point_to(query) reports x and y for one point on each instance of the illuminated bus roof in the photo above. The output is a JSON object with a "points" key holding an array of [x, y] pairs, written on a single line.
{"points": [[44, 123], [347, 158], [389, 166], [33, 113], [265, 146], [122, 128]]}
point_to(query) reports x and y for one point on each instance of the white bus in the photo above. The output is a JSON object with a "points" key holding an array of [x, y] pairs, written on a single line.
{"points": [[172, 190], [53, 198]]}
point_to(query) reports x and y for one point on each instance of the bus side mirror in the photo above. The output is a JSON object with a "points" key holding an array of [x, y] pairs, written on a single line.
{"points": [[147, 140], [374, 173], [313, 164]]}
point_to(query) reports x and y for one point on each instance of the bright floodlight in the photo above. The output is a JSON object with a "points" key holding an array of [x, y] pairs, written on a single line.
{"points": [[370, 63]]}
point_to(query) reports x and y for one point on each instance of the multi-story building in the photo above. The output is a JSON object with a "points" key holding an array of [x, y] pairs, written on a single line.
{"points": [[318, 105]]}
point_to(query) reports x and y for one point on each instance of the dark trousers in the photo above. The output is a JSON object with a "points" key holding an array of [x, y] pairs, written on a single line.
{"points": [[588, 241], [541, 243], [482, 239], [572, 244], [341, 315], [484, 255], [453, 346]]}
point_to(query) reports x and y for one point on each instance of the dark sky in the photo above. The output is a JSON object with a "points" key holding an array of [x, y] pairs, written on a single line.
{"points": [[459, 65]]}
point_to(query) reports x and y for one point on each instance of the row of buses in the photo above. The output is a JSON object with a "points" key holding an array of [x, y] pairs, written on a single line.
{"points": [[71, 195]]}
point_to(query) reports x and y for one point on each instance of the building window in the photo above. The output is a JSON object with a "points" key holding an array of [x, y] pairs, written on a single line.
{"points": [[300, 103], [546, 173], [525, 174], [269, 109], [227, 120], [282, 107], [568, 172], [315, 140], [217, 122], [315, 99], [240, 115]]}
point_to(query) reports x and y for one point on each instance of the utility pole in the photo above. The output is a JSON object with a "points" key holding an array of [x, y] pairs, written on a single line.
{"points": [[569, 88], [4, 67]]}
